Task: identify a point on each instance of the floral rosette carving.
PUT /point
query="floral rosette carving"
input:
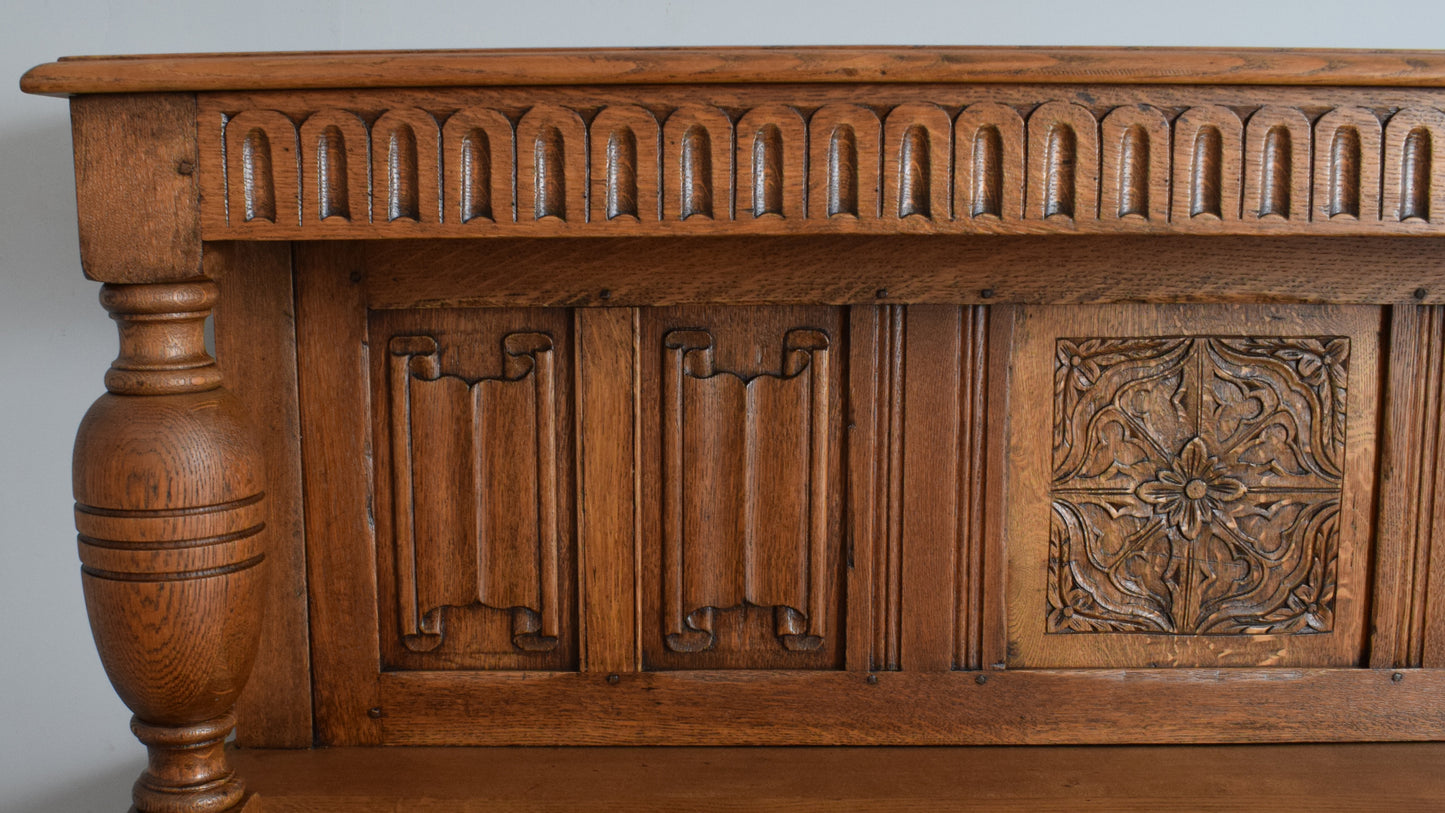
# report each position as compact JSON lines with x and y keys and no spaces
{"x":1196,"y":484}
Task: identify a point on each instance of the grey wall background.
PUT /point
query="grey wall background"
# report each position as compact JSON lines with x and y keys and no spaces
{"x":65,"y":745}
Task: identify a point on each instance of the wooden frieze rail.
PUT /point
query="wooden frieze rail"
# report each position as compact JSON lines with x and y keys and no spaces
{"x":829,"y":396}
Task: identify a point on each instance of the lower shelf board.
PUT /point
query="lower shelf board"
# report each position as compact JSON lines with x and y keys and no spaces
{"x":1383,"y":776}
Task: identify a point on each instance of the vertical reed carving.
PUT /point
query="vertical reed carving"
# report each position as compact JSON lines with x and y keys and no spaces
{"x":760,"y":542}
{"x":261,"y":169}
{"x":1276,"y":164}
{"x":843,"y":172}
{"x":406,"y":167}
{"x":1207,"y":173}
{"x":1412,"y":500}
{"x":475,"y":493}
{"x":1063,"y":162}
{"x":1414,"y":180}
{"x":918,"y":169}
{"x":477,"y":167}
{"x":624,"y":183}
{"x":843,"y":165}
{"x":772,"y":143}
{"x":988,"y":162}
{"x":1344,"y":192}
{"x":1135,"y":184}
{"x":915,"y":167}
{"x":170,"y":511}
{"x":551,"y":147}
{"x":699,"y":163}
{"x":1208,"y":166}
{"x":549,"y":178}
{"x":1347,"y":165}
{"x":334,"y":159}
{"x":259,"y":184}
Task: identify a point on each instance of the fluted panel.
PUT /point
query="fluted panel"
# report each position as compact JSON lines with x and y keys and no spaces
{"x":1135,"y":182}
{"x":698,"y":164}
{"x":1063,"y":162}
{"x":1276,"y":165}
{"x":988,"y":162}
{"x":405,"y":167}
{"x":1208,"y":170}
{"x":262,"y":173}
{"x":335,"y":184}
{"x":1414,"y":180}
{"x":551,"y":149}
{"x":1018,"y":166}
{"x":843,"y":162}
{"x":772,"y":144}
{"x":478,"y":167}
{"x":916,"y":170}
{"x":1347,"y":165}
{"x":624,"y":165}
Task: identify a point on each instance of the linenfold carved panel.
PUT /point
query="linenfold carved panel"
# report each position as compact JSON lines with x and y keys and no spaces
{"x":479,"y":520}
{"x":1196,"y":484}
{"x":761,"y":541}
{"x":962,"y":160}
{"x":745,"y":512}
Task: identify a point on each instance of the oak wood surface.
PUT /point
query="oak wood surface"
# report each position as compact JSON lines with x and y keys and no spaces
{"x":801,"y":707}
{"x":256,"y":351}
{"x":137,"y":180}
{"x":1248,"y":66}
{"x":1397,"y":776}
{"x":340,"y":558}
{"x":897,"y":270}
{"x":862,"y":159}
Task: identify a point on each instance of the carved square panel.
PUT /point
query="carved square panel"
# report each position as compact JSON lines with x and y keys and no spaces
{"x":1192,"y":486}
{"x":742,"y":484}
{"x":474,"y":488}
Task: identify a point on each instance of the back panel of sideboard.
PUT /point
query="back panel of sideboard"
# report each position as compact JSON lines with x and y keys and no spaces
{"x":553,"y":502}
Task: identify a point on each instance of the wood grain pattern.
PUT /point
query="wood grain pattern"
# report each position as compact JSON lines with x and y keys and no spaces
{"x":136,"y":175}
{"x":952,"y":162}
{"x":608,"y":540}
{"x":474,"y":466}
{"x":256,"y":350}
{"x":702,"y":66}
{"x":802,"y":707}
{"x":1201,"y":509}
{"x":899,"y":269}
{"x":340,"y":541}
{"x":1058,"y":779}
{"x":170,"y":507}
{"x":742,"y":451}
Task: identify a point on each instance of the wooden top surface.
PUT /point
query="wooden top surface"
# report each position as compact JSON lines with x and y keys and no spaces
{"x":627,"y":66}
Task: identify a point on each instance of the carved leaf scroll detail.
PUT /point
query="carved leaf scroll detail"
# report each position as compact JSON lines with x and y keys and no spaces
{"x":474,"y":470}
{"x":1196,"y":484}
{"x":745,"y":500}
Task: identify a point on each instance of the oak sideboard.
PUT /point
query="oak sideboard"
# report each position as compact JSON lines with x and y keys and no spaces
{"x":761,"y":397}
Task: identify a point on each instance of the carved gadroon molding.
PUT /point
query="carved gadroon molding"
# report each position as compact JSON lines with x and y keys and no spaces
{"x":1196,"y":484}
{"x":745,"y":490}
{"x":475,"y":494}
{"x":876,"y":167}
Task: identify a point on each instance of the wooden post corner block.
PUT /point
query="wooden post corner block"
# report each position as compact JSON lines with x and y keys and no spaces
{"x":169,"y":498}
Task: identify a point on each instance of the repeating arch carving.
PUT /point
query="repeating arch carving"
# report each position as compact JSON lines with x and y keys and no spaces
{"x":1136,"y":165}
{"x":982,"y":167}
{"x":1208,"y":145}
{"x":624,"y":157}
{"x":478,"y":167}
{"x":1414,"y":182}
{"x":988,"y":162}
{"x":1063,"y":162}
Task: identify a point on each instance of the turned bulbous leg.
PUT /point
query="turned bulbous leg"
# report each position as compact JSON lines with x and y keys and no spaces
{"x":169,"y":508}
